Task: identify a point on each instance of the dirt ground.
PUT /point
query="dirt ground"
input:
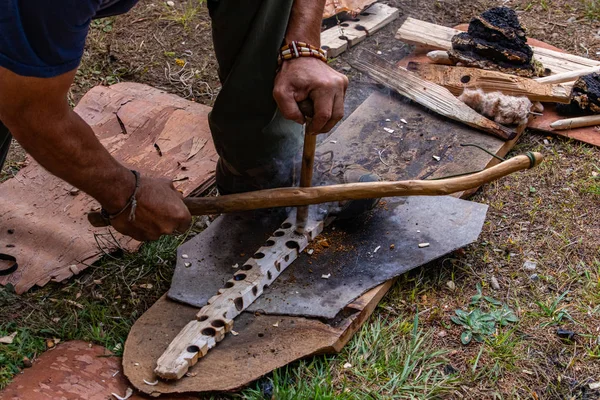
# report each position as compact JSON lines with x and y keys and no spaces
{"x":548,"y":217}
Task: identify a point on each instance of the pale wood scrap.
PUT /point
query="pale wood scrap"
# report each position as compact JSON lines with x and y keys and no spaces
{"x":457,"y":79}
{"x":44,"y":218}
{"x":428,"y":94}
{"x":349,"y":33}
{"x":216,"y":318}
{"x":570,"y":76}
{"x":577,"y":122}
{"x":353,"y":7}
{"x":436,"y":37}
{"x":440,"y":57}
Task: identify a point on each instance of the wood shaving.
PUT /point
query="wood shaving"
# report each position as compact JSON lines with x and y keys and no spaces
{"x":422,"y":245}
{"x":151,"y":383}
{"x":128,"y":394}
{"x":234,"y":333}
{"x":326,"y":276}
{"x":8,"y":339}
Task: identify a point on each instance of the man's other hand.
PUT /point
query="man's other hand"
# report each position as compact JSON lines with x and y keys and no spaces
{"x":160,"y":211}
{"x":310,"y":78}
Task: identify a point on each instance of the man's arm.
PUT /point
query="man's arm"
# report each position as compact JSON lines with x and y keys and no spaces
{"x":308,"y":77}
{"x":37,"y":113}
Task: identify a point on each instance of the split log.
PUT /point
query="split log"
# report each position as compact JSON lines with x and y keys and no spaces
{"x":428,"y":94}
{"x":436,"y":37}
{"x":578,"y":122}
{"x":456,"y":79}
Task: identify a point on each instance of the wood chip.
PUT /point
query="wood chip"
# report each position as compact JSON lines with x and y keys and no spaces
{"x":146,"y":286}
{"x":8,"y":339}
{"x":234,"y":333}
{"x":326,"y":276}
{"x":376,"y":249}
{"x":276,"y":324}
{"x":389,"y":130}
{"x":151,"y":383}
{"x":128,"y":394}
{"x":437,"y":158}
{"x":422,"y":245}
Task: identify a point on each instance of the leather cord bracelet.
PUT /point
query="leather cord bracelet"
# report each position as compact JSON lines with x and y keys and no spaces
{"x":300,"y":49}
{"x":132,"y":202}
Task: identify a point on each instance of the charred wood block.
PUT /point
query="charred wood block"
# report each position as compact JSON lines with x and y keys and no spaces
{"x":585,"y":97}
{"x":495,"y":40}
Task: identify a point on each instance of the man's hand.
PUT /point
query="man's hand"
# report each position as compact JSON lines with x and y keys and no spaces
{"x":310,"y":78}
{"x":160,"y":211}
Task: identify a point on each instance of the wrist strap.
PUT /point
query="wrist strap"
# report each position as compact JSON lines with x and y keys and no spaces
{"x":300,"y":49}
{"x":132,"y":202}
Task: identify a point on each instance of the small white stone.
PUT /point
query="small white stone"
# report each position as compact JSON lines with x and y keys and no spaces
{"x":234,"y":333}
{"x":379,"y":52}
{"x":418,"y":231}
{"x":235,"y":266}
{"x":388,"y":120}
{"x":326,"y":276}
{"x":451,"y":285}
{"x":529,"y":265}
{"x":348,"y":365}
{"x":437,"y":158}
{"x":276,"y":324}
{"x":333,"y":141}
{"x":388,"y":130}
{"x":494,"y":283}
{"x":184,"y":256}
{"x":187,"y":264}
{"x":171,"y":3}
{"x":422,"y":245}
{"x":310,"y":251}
{"x":442,"y":334}
{"x":404,"y":121}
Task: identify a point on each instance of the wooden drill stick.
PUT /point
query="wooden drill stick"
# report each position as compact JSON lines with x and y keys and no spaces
{"x":569,"y":76}
{"x":294,"y":197}
{"x":308,"y":161}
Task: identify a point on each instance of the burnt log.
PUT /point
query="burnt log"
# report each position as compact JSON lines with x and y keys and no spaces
{"x":585,"y":97}
{"x":496,"y":40}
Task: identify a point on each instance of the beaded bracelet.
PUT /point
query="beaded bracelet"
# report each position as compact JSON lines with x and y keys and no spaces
{"x":300,"y":49}
{"x":132,"y":202}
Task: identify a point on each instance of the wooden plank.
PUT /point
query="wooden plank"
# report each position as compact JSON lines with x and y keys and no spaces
{"x":457,"y":79}
{"x":43,"y":217}
{"x":428,"y":94}
{"x":437,"y":37}
{"x":349,"y":33}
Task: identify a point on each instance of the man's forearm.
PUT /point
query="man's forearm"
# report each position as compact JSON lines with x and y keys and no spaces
{"x":305,"y":22}
{"x":67,"y":147}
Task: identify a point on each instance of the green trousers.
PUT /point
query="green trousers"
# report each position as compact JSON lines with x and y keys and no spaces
{"x":257,"y":146}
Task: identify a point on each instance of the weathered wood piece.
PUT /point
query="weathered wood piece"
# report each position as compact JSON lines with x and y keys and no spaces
{"x":436,"y":37}
{"x":349,"y":33}
{"x":43,"y":218}
{"x":428,"y":94}
{"x":577,"y":122}
{"x":456,"y":79}
{"x":570,"y":76}
{"x":216,"y":318}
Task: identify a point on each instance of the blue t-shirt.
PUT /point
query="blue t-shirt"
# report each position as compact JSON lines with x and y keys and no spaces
{"x":46,"y":38}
